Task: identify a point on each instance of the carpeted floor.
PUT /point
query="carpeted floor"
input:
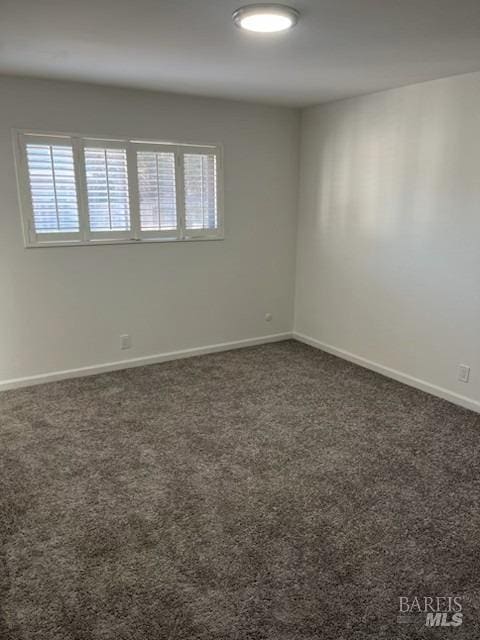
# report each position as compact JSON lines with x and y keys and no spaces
{"x":274,"y":492}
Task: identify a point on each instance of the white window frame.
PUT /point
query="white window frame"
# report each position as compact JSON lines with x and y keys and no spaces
{"x":86,"y":237}
{"x":169,"y":234}
{"x":101,"y":236}
{"x":25,"y":196}
{"x":197,"y":234}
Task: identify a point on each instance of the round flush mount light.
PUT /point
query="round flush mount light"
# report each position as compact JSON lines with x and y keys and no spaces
{"x":265,"y":18}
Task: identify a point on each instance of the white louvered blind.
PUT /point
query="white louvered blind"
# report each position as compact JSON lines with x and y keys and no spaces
{"x":200,"y":175}
{"x":84,"y":190}
{"x":53,"y":190}
{"x":107,"y":189}
{"x":157,"y":190}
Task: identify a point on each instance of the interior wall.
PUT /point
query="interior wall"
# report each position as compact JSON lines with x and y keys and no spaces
{"x":388,"y":257}
{"x":65,"y":307}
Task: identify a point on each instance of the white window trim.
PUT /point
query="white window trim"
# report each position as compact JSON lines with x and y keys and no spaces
{"x":85,"y":237}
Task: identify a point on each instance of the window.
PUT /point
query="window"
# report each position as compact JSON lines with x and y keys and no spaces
{"x":157,"y":191}
{"x":80,"y":190}
{"x":53,"y":189}
{"x":107,"y":189}
{"x":200,"y":199}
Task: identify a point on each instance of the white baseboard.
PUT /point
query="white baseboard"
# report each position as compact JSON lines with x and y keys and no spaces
{"x":423,"y":385}
{"x":42,"y":378}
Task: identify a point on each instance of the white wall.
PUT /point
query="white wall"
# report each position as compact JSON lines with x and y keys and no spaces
{"x":64,"y":308}
{"x":388,"y":256}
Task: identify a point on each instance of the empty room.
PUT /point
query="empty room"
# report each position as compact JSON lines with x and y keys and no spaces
{"x":239,"y":320}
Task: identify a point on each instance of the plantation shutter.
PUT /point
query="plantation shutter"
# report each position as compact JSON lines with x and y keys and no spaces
{"x":157,"y":191}
{"x":82,"y":190}
{"x":108,"y":197}
{"x":53,"y":191}
{"x":200,"y":191}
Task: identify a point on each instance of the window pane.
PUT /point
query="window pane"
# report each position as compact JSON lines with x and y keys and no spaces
{"x":200,"y":191}
{"x":156,"y":183}
{"x":107,"y":187}
{"x":52,"y":186}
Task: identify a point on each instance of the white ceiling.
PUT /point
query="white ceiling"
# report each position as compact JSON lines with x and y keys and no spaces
{"x":339,"y":48}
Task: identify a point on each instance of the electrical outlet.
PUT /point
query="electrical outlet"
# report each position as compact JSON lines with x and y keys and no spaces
{"x":268,"y":317}
{"x":125,"y":341}
{"x":463,"y":373}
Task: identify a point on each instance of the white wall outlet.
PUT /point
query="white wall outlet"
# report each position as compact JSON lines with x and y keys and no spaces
{"x":463,"y":373}
{"x":125,"y":341}
{"x":268,"y":317}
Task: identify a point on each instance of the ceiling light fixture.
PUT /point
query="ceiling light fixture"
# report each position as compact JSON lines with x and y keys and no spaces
{"x":265,"y":18}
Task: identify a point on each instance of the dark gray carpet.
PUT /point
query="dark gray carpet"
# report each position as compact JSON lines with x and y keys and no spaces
{"x":269,"y":493}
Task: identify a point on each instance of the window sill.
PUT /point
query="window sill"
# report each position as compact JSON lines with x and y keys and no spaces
{"x":110,"y":241}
